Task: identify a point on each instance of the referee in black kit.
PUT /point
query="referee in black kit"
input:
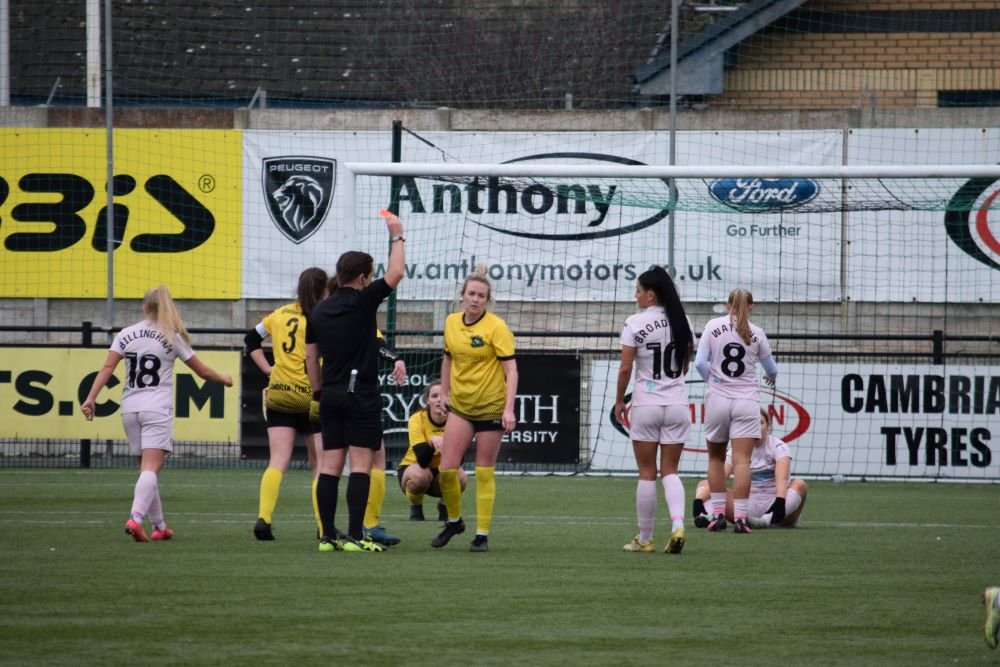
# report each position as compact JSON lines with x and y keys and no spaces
{"x":342,"y":331}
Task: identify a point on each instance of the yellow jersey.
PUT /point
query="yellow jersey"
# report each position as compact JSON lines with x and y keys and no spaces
{"x":288,"y":388}
{"x":478,"y":388}
{"x":422,"y":428}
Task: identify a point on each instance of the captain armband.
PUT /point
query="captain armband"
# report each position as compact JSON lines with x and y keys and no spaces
{"x":252,"y":341}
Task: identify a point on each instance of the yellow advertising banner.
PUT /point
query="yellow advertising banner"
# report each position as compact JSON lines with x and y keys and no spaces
{"x":41,"y":390}
{"x":177,"y":210}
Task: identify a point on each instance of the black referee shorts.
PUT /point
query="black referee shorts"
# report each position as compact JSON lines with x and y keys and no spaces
{"x":353,"y":419}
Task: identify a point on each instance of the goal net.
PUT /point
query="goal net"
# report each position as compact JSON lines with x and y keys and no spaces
{"x":220,"y":172}
{"x":859,"y":273}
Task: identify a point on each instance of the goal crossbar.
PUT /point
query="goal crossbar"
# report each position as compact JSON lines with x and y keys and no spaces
{"x":536,"y":170}
{"x":677,"y":172}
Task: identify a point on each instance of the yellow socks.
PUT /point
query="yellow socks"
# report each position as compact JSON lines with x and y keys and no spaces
{"x":486,"y":493}
{"x":451,"y":492}
{"x":270,"y":486}
{"x":319,"y":521}
{"x":376,"y":496}
{"x":415,"y":498}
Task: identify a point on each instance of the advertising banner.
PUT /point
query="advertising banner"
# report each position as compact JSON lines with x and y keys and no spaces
{"x":543,"y":243}
{"x":930,"y":256}
{"x":293,"y":207}
{"x":547,"y":409}
{"x":874,"y":420}
{"x":41,"y":390}
{"x":177,"y":213}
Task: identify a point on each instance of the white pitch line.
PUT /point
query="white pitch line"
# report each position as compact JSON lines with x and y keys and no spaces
{"x":26,"y":518}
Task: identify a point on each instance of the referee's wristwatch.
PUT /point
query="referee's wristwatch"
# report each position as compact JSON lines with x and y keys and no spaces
{"x":393,"y":239}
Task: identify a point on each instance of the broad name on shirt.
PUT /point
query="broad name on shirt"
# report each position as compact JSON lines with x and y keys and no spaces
{"x":655,"y":325}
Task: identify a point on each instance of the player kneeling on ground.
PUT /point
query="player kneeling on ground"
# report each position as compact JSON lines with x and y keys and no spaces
{"x":418,"y":470}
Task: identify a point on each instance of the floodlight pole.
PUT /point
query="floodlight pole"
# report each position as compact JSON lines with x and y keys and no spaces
{"x":673,"y":132}
{"x":4,"y":53}
{"x":93,"y":29}
{"x":396,"y":182}
{"x":109,"y":239}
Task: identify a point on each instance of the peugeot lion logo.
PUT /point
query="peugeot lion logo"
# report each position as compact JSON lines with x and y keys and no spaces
{"x":298,"y":191}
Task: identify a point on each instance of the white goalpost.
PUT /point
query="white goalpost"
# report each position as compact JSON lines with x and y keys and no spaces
{"x":915,"y":194}
{"x":853,"y":269}
{"x":526,"y":169}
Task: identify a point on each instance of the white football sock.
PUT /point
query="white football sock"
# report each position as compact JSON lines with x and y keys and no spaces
{"x":645,"y":507}
{"x":145,"y":491}
{"x":718,"y":503}
{"x":156,"y":511}
{"x":673,"y":491}
{"x":740,"y":508}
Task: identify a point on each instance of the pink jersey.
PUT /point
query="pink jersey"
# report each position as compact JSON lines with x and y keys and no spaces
{"x":762,"y":462}
{"x":657,"y":382}
{"x":732,"y":363}
{"x":149,"y":367}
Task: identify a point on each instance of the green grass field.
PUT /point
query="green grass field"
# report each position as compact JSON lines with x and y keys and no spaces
{"x":878,"y":573}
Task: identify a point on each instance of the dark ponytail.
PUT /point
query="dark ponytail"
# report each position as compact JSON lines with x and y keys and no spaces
{"x":659,"y":282}
{"x":312,"y":284}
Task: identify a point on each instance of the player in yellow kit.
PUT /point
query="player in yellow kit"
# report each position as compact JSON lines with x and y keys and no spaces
{"x":374,"y":530}
{"x":288,"y":390}
{"x":420,"y":466}
{"x":479,"y":383}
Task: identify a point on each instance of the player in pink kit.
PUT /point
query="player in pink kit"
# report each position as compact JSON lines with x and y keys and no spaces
{"x":150,"y":349}
{"x":776,"y":499}
{"x":657,"y":342}
{"x":730,"y":349}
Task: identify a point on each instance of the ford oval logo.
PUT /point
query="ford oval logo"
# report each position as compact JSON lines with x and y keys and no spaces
{"x":573,"y":211}
{"x":760,"y":195}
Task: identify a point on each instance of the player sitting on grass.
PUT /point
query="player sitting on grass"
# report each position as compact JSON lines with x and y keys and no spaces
{"x":775,"y":499}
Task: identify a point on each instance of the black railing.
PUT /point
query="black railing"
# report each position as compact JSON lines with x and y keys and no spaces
{"x":937,"y":340}
{"x":932,"y":347}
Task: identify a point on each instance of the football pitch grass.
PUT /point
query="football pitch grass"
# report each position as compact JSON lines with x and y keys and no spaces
{"x":878,"y":573}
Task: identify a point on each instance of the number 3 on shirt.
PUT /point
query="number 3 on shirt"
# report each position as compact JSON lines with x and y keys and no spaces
{"x":293,"y":328}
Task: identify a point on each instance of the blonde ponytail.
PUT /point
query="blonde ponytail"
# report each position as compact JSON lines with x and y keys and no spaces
{"x":160,"y":306}
{"x":739,"y":303}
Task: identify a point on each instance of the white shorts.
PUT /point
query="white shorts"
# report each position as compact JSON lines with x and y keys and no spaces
{"x":728,"y":418}
{"x":148,"y":430}
{"x":664,"y":424}
{"x":758,"y":504}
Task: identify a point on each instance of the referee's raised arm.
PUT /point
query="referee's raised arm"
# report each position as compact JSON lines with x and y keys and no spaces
{"x":395,"y":269}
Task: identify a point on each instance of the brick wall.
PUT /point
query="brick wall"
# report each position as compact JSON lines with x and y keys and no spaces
{"x":815,"y":70}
